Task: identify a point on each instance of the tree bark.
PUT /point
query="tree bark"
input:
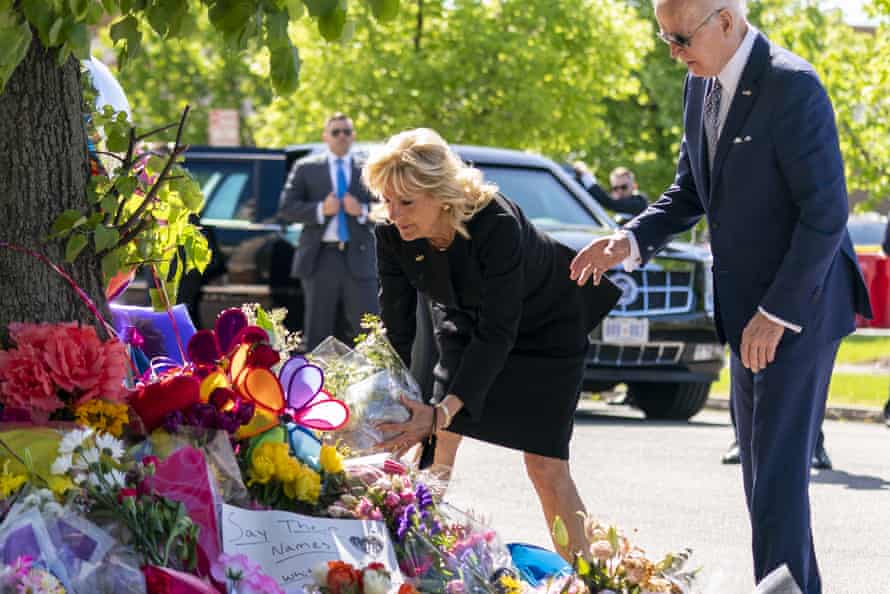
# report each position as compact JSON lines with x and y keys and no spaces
{"x":43,"y":171}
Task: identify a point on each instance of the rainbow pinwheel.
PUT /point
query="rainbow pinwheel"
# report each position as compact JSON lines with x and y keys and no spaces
{"x":236,"y":356}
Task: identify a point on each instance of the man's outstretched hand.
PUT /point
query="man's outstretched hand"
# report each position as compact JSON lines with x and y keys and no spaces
{"x":599,"y":256}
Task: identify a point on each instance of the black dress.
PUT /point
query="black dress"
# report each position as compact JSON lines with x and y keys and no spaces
{"x":510,"y":324}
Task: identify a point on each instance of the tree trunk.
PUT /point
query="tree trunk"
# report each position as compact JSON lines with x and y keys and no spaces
{"x":43,"y":171}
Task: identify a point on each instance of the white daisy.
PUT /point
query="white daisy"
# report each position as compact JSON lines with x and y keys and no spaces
{"x":73,"y":440}
{"x":110,"y":446}
{"x":88,"y":457}
{"x":62,"y":465}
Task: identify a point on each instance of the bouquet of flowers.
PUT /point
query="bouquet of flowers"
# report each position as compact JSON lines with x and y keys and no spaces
{"x":338,"y":577}
{"x":369,"y":380}
{"x":611,"y":564}
{"x":63,"y":372}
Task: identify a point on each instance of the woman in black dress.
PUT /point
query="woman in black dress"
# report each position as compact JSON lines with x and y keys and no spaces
{"x":510,"y":324}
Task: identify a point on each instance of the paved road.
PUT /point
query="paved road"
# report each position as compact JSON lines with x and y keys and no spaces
{"x":665,"y":481}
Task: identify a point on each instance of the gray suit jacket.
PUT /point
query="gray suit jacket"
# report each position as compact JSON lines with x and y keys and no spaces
{"x":307,"y":184}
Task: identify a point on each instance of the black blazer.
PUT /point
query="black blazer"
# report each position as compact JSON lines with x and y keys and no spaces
{"x":308,"y":183}
{"x":504,"y":291}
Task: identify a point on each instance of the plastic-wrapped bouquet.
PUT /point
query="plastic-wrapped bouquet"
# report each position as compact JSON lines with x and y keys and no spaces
{"x":612,"y":564}
{"x":369,"y":380}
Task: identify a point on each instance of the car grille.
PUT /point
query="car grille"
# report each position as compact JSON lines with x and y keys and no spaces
{"x":659,"y":292}
{"x":652,"y":353}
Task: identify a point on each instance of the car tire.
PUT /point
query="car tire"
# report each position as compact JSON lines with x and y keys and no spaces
{"x":670,"y":401}
{"x":424,"y":352}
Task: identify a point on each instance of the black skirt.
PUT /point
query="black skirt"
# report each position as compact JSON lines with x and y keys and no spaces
{"x":530,"y":407}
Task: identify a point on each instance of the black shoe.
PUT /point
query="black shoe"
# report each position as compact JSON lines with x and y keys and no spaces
{"x":887,"y":413}
{"x":732,"y":454}
{"x":821,"y":460}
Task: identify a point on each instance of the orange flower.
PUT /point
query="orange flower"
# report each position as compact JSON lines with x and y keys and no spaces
{"x":408,"y":589}
{"x":343,"y":578}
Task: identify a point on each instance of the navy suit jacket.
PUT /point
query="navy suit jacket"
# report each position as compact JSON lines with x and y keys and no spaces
{"x":776,"y":202}
{"x":308,"y":183}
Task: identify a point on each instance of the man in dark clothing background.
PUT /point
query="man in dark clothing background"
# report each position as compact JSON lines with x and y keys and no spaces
{"x":624,"y":198}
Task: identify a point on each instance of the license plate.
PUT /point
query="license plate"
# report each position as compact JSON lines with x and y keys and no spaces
{"x":625,"y":331}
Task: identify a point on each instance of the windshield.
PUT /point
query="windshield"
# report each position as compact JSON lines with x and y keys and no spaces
{"x":866,"y":232}
{"x":543,"y":199}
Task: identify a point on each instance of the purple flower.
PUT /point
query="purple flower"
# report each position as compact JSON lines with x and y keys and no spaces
{"x":173,"y":420}
{"x":405,"y":522}
{"x":423,"y":495}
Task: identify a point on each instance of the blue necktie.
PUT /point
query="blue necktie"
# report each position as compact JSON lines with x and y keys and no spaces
{"x":342,"y":224}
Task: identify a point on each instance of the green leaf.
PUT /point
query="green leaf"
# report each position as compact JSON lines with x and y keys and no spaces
{"x":126,"y":186}
{"x":75,"y":245}
{"x":385,"y":10}
{"x":14,"y":44}
{"x":79,"y":8}
{"x":295,"y":9}
{"x":109,"y":203}
{"x":230,"y":16}
{"x":105,"y":237}
{"x":330,"y":25}
{"x":560,"y":532}
{"x":318,"y":8}
{"x":125,"y":29}
{"x":276,"y":30}
{"x":54,"y":31}
{"x":284,"y":66}
{"x":111,"y":264}
{"x":77,"y":38}
{"x":68,"y":220}
{"x":116,"y":140}
{"x":40,"y":14}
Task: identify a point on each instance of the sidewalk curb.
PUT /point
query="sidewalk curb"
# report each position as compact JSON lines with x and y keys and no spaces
{"x":865,"y":414}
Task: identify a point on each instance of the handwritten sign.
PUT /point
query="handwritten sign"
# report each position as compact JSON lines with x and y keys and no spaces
{"x":288,"y":546}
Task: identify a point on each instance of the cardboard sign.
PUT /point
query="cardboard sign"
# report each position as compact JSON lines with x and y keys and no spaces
{"x":288,"y":546}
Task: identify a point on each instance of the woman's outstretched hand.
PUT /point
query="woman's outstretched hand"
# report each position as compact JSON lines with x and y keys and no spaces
{"x":411,"y":432}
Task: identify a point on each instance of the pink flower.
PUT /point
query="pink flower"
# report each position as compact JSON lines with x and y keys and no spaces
{"x":392,"y":500}
{"x":455,"y":587}
{"x":407,"y":497}
{"x":25,"y":382}
{"x":81,"y":364}
{"x":34,"y":335}
{"x":258,"y":583}
{"x":233,"y":567}
{"x":376,"y":514}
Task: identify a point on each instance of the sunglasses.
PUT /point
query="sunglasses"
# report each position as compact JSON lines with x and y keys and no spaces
{"x":344,"y":131}
{"x":622,"y":187}
{"x":685,"y":41}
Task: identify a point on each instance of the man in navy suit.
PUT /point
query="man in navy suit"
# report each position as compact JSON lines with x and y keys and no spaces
{"x":760,"y":158}
{"x":336,"y":258}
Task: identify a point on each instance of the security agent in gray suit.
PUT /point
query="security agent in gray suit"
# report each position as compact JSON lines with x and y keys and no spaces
{"x":336,"y":255}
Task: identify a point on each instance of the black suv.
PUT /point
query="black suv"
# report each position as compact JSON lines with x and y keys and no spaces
{"x":659,"y":340}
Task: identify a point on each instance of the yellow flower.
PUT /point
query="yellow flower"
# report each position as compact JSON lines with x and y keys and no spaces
{"x":107,"y":417}
{"x":262,"y":465}
{"x":331,"y":460}
{"x":10,"y":483}
{"x":307,"y":487}
{"x":59,"y":485}
{"x":288,"y":472}
{"x":509,"y":585}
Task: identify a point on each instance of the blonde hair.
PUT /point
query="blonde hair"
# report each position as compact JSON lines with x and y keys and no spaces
{"x":419,"y":161}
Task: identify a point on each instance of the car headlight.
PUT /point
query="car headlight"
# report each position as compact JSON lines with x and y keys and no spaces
{"x":707,"y":352}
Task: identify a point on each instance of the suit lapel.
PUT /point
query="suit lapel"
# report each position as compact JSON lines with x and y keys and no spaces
{"x":746,"y":94}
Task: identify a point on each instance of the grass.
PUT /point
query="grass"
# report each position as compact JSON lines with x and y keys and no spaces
{"x":864,"y":349}
{"x":846,"y":389}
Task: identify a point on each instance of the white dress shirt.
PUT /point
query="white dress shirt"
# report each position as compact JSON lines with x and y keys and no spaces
{"x":331,"y":232}
{"x":729,"y":79}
